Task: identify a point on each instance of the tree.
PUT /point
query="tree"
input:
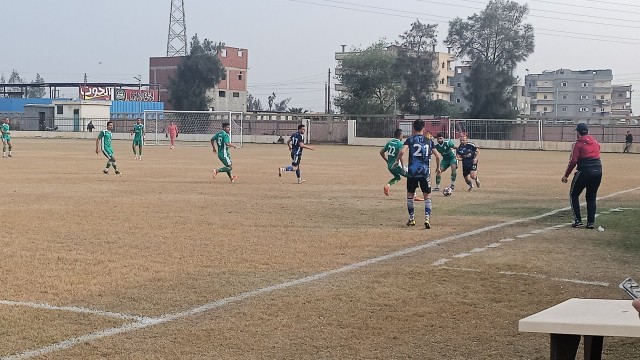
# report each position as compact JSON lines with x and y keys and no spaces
{"x":36,"y":92}
{"x":494,"y":41}
{"x":282,"y":105}
{"x":271,"y":98}
{"x":200,"y":71}
{"x":441,"y":107}
{"x":415,"y":68}
{"x":298,"y":110}
{"x":15,"y":78}
{"x":3,"y":80}
{"x":253,"y":104}
{"x":369,"y":81}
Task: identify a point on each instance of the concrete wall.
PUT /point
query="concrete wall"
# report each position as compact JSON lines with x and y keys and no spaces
{"x":495,"y":144}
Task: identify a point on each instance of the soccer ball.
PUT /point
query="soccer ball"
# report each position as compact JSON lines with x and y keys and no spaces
{"x":447,"y":191}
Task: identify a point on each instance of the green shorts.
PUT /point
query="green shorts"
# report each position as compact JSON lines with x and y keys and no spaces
{"x":398,"y":171}
{"x":6,"y":138}
{"x":226,"y":160}
{"x":137,"y":142}
{"x":446,"y":163}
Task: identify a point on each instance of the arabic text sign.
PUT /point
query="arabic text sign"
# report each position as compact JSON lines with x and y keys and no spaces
{"x":95,"y":93}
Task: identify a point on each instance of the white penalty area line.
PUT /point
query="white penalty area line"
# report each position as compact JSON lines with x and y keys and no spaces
{"x":147,"y":322}
{"x":76,"y":309}
{"x":538,"y":276}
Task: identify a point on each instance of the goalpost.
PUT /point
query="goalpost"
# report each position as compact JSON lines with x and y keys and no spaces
{"x":192,"y":125}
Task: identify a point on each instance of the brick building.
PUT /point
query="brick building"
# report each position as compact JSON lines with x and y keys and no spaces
{"x":229,"y":95}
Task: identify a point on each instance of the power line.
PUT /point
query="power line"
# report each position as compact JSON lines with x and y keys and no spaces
{"x":361,"y":10}
{"x":538,"y":16}
{"x":557,"y":12}
{"x":449,"y":17}
{"x":586,"y":7}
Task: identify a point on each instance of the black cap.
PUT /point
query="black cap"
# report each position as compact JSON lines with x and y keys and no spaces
{"x":582,"y":128}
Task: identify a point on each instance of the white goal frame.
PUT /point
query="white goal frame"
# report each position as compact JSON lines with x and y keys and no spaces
{"x":192,"y":125}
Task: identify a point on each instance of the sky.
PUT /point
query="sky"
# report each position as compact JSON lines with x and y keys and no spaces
{"x":291,"y":43}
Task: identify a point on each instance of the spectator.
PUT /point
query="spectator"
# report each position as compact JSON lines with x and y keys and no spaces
{"x":90,"y":126}
{"x":627,"y":142}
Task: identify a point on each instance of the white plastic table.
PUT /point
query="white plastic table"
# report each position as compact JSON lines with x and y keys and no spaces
{"x":591,"y":318}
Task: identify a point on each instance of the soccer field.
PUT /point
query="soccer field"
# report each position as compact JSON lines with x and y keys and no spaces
{"x":166,"y":262}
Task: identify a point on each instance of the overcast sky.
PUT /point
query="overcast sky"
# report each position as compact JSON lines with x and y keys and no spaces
{"x":291,"y":43}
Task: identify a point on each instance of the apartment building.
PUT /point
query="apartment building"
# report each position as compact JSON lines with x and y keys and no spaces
{"x":572,"y":95}
{"x":621,"y":101}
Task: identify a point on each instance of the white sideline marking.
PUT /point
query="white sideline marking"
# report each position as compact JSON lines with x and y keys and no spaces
{"x":440,"y":262}
{"x":460,"y":256}
{"x":147,"y":322}
{"x":522,"y":236}
{"x":507,"y":240}
{"x":76,"y":309}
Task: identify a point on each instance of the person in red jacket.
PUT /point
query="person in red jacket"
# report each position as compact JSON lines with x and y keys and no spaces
{"x":586,"y":156}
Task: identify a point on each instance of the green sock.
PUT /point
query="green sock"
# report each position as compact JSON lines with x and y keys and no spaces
{"x":438,"y":178}
{"x":140,"y":150}
{"x":229,"y":174}
{"x":454,"y":175}
{"x":108,"y":164}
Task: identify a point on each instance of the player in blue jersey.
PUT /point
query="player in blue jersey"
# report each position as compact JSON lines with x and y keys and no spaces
{"x":468,"y":153}
{"x":420,"y":149}
{"x":296,"y":145}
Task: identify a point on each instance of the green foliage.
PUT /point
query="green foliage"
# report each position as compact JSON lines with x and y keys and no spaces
{"x":298,"y":110}
{"x":369,"y":80}
{"x":494,"y":41}
{"x":441,"y":107}
{"x":3,"y":80}
{"x":415,"y":68}
{"x":200,"y":71}
{"x":15,"y":78}
{"x":36,"y":92}
{"x":489,"y":91}
{"x":253,"y":104}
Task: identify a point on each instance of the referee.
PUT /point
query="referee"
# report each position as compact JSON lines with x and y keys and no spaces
{"x":586,"y":155}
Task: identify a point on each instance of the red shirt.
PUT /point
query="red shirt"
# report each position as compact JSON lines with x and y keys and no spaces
{"x":172,"y":130}
{"x":585,"y":148}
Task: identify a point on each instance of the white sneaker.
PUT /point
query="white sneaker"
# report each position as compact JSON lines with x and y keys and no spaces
{"x":135,"y":157}
{"x":300,"y":181}
{"x":140,"y":157}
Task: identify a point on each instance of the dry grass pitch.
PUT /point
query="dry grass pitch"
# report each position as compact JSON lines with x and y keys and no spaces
{"x":138,"y":254}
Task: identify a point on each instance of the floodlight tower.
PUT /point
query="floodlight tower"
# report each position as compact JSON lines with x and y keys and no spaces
{"x":177,"y":41}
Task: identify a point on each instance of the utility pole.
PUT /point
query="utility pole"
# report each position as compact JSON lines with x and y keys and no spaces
{"x":329,"y":92}
{"x":326,"y":108}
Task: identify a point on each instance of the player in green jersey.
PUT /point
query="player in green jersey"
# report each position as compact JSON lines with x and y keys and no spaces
{"x":6,"y":138}
{"x":395,"y":166}
{"x":103,"y":143}
{"x":446,"y":148}
{"x":390,"y":154}
{"x":223,"y":141}
{"x":138,"y":138}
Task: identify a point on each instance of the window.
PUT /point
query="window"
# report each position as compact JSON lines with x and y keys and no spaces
{"x":224,"y":75}
{"x":442,"y":64}
{"x":458,"y":101}
{"x":594,"y":109}
{"x":442,"y":81}
{"x":240,"y":76}
{"x":459,"y":70}
{"x":565,"y":96}
{"x":222,"y":93}
{"x":545,"y":109}
{"x":236,"y":94}
{"x":545,"y":96}
{"x":563,"y":84}
{"x":223,"y":53}
{"x":585,"y":84}
{"x":601,"y":97}
{"x":438,"y":96}
{"x":458,"y":84}
{"x":601,"y":109}
{"x":59,"y":109}
{"x":584,"y":97}
{"x":240,"y":53}
{"x":584,"y":109}
{"x":564,"y":108}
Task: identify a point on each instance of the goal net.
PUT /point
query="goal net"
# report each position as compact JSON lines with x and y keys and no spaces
{"x":192,"y":125}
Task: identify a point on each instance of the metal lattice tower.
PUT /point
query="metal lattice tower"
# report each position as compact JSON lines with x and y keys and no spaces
{"x":177,"y":41}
